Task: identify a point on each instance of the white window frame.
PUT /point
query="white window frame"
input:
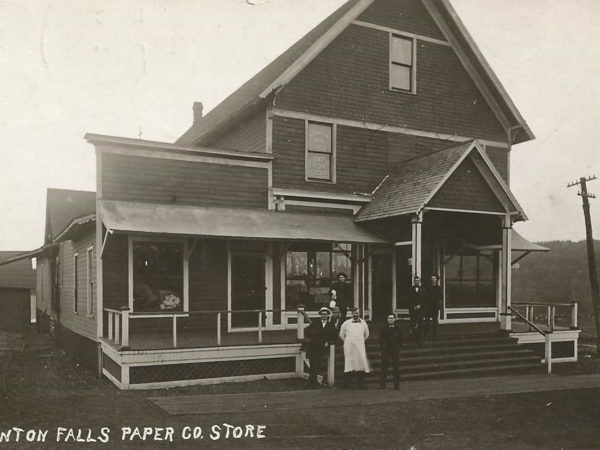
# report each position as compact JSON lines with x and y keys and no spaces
{"x":413,"y":67}
{"x":75,"y":282}
{"x":332,"y":165}
{"x":89,"y":282}
{"x":166,"y":240}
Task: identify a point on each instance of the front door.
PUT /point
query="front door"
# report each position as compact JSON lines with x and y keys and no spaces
{"x":247,"y":288}
{"x":382,"y":286}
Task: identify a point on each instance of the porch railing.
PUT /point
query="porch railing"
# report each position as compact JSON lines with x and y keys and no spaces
{"x":199,"y":328}
{"x":549,"y":316}
{"x":546,"y":317}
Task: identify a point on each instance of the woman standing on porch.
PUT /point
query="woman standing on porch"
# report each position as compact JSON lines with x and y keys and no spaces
{"x":354,"y":333}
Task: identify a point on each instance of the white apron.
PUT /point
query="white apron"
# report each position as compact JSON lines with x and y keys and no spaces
{"x":354,"y":336}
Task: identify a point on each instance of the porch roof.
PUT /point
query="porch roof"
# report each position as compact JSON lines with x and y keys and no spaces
{"x":131,"y":217}
{"x":519,"y":244}
{"x":410,"y":188}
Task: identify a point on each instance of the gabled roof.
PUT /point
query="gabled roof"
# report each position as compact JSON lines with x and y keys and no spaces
{"x":64,"y":205}
{"x":18,"y":274}
{"x":413,"y":185}
{"x":251,"y":94}
{"x":283,"y":69}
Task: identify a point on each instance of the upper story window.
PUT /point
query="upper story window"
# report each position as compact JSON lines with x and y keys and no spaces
{"x":320,"y":152}
{"x":402,"y":63}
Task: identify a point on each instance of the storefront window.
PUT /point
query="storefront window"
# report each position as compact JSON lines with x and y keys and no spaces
{"x":469,"y":281}
{"x":157,"y":276}
{"x":310,"y":270}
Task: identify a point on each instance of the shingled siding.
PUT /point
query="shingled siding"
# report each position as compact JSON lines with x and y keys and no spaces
{"x":406,"y":15}
{"x":349,"y":80}
{"x":499,"y":156}
{"x":249,"y":136}
{"x":142,"y":179}
{"x":363,"y":157}
{"x":466,"y":189}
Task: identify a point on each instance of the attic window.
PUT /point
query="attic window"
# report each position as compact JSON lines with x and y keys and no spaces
{"x":402,"y":63}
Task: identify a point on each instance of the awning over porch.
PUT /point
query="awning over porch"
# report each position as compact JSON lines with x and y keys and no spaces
{"x":519,"y":244}
{"x":131,"y":217}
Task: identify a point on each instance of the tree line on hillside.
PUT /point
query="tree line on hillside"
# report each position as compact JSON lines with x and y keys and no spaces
{"x":557,"y":276}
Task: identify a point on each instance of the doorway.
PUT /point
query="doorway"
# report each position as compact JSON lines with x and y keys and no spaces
{"x":382,"y":286}
{"x":247,"y":288}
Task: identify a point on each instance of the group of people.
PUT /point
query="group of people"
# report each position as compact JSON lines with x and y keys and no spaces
{"x":424,"y":307}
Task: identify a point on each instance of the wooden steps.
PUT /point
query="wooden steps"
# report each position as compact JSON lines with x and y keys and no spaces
{"x":455,"y":356}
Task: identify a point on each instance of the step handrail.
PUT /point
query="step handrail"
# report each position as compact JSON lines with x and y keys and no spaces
{"x":547,"y":338}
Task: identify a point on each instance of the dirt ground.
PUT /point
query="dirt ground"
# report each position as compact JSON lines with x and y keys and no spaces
{"x":44,"y":391}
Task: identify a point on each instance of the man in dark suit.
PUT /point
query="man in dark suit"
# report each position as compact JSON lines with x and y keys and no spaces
{"x":341,"y":293}
{"x":390,"y":341}
{"x":416,"y":310}
{"x":433,"y":305}
{"x":318,"y":335}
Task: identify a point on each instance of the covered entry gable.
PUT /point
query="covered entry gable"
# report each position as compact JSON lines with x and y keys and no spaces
{"x":461,"y":178}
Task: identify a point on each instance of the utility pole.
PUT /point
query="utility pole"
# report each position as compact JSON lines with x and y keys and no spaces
{"x":590,"y":251}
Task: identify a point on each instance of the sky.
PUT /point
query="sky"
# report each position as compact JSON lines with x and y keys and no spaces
{"x":133,"y":68}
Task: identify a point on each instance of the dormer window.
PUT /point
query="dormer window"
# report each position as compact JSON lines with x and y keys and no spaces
{"x":320,"y":151}
{"x":402,"y":64}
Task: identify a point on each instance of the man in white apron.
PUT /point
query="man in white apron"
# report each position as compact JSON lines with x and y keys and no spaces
{"x":354,"y":332}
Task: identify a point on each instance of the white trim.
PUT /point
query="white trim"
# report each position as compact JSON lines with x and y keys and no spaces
{"x":185,"y":261}
{"x":269,"y":129}
{"x":413,"y":66}
{"x":158,"y":154}
{"x":383,"y":127}
{"x":75,"y":282}
{"x":206,"y":381}
{"x":500,"y":181}
{"x":499,"y":213}
{"x":104,"y":142}
{"x":78,"y":221}
{"x":321,"y":195}
{"x":32,"y":306}
{"x":490,"y":73}
{"x":401,"y":243}
{"x":99,"y":245}
{"x":332,"y":154}
{"x":89,"y":282}
{"x":419,"y":37}
{"x":467,"y":64}
{"x":353,"y":208}
{"x":111,"y":378}
{"x":228,"y":249}
{"x":333,"y":32}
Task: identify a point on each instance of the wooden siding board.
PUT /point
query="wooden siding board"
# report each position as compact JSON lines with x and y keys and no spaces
{"x":349,"y":80}
{"x":406,"y":15}
{"x":154,"y":180}
{"x":466,"y":189}
{"x":249,"y":135}
{"x":78,"y":322}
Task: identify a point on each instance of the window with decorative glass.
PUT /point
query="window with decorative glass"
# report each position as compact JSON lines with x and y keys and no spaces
{"x":402,"y":63}
{"x":158,"y":283}
{"x":310,"y":270}
{"x":320,"y":151}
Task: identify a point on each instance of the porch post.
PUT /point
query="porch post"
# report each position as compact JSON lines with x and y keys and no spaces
{"x":506,"y":280}
{"x":416,"y":223}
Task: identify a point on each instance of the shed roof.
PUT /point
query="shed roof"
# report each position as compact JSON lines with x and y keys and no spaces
{"x":18,"y":274}
{"x":64,"y":205}
{"x":187,"y":220}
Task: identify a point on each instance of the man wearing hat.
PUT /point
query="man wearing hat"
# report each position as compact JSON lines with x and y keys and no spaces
{"x":318,"y":335}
